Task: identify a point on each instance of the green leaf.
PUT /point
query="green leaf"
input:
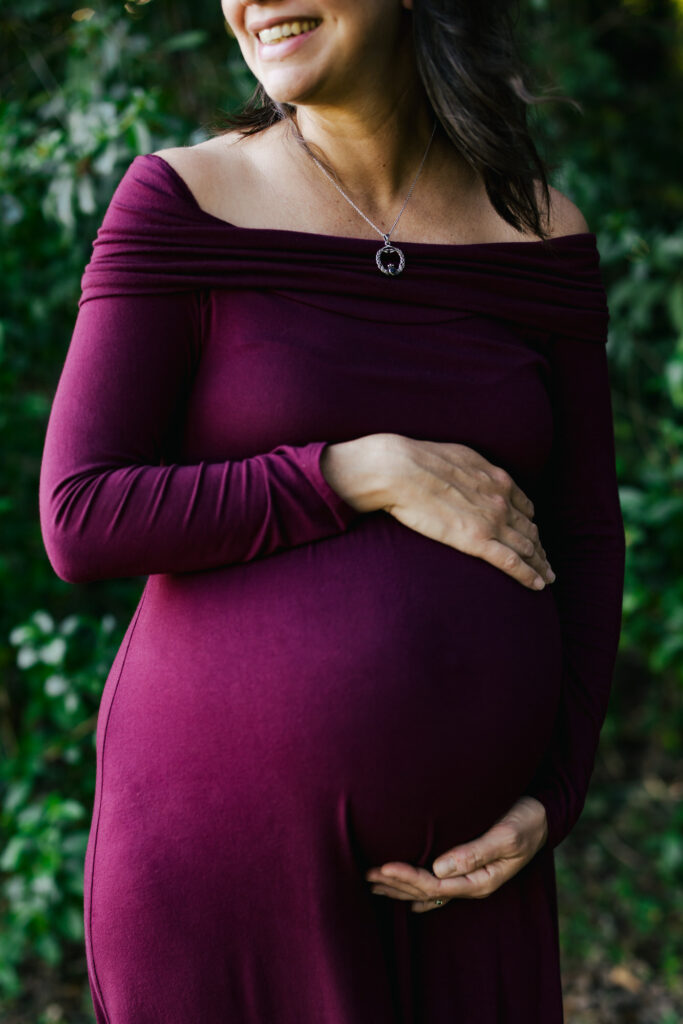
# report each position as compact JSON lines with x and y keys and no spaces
{"x":190,"y":40}
{"x":13,"y":852}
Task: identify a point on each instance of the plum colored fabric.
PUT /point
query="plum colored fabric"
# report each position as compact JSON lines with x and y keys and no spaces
{"x":305,"y":691}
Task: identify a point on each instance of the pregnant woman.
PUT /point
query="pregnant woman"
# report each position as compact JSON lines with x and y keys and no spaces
{"x":338,"y":386}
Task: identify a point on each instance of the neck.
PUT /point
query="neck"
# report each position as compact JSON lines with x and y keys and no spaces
{"x":375,"y":149}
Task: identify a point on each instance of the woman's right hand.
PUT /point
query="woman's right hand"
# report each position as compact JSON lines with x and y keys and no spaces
{"x":445,"y":491}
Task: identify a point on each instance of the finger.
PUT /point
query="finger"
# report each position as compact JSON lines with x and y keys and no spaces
{"x":529,"y":530}
{"x":519,"y":499}
{"x":480,"y":883}
{"x":396,"y":894}
{"x":403,"y":870}
{"x":495,"y":844}
{"x":422,"y":906}
{"x":515,"y":530}
{"x":521,"y":524}
{"x":408,"y":875}
{"x":528,"y":549}
{"x":411,"y":889}
{"x":508,"y":561}
{"x":416,"y":882}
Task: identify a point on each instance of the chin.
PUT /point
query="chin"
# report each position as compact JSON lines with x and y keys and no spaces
{"x":290,"y":92}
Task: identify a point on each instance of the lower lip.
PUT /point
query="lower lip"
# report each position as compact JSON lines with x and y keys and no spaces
{"x":277,"y":51}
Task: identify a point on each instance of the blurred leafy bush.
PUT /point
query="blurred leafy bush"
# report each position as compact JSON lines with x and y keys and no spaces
{"x":620,"y":871}
{"x":48,"y":786}
{"x":85,"y":91}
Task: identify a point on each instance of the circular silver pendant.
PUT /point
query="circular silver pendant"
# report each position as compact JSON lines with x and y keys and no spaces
{"x":390,"y":260}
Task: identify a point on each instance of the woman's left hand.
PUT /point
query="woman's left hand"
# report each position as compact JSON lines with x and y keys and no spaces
{"x":472,"y":870}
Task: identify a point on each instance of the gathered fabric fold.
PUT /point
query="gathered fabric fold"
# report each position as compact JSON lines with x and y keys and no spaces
{"x":156,"y":239}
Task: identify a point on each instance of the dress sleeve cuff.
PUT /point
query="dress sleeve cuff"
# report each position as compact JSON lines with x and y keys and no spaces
{"x":555,"y":835}
{"x":343,"y":512}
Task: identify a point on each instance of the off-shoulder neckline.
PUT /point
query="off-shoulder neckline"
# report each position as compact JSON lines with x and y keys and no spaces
{"x":352,"y":240}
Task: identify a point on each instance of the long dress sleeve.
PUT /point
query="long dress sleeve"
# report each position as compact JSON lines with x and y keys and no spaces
{"x":114,"y":501}
{"x":108,"y":505}
{"x":585,"y":543}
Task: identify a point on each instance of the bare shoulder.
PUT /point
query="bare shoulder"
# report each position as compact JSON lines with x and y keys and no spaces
{"x":211,"y":169}
{"x":565,"y":217}
{"x":203,"y":154}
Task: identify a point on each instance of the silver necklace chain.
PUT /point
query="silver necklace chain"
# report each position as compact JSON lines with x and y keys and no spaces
{"x":389,"y":259}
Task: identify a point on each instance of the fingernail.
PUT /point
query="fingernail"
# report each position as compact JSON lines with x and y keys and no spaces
{"x":550,"y":576}
{"x":539,"y":584}
{"x":442,"y":867}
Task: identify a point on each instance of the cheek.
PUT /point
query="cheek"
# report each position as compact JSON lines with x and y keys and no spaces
{"x":247,"y":47}
{"x":233,"y":12}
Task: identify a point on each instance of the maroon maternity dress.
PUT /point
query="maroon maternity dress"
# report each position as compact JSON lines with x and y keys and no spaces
{"x":306,"y":691}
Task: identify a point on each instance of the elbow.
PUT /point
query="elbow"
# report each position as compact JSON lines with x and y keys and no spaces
{"x":79,"y":540}
{"x":67,"y":556}
{"x":65,"y":541}
{"x":69,"y":572}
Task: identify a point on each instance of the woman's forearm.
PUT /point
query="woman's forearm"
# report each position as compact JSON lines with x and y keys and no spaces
{"x":363,"y":470}
{"x":110,"y":508}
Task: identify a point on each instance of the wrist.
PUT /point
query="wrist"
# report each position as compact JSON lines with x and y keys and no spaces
{"x":539,"y":807}
{"x":533,"y":814}
{"x":360,"y":471}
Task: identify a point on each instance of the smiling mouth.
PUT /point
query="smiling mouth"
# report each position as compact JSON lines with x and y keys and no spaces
{"x":287,"y":29}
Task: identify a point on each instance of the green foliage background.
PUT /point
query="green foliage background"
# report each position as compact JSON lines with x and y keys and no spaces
{"x":83,"y":91}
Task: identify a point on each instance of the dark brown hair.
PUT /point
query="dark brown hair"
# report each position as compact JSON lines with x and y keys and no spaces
{"x":469,"y":66}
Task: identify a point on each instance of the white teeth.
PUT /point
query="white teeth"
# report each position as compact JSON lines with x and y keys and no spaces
{"x":288,"y":28}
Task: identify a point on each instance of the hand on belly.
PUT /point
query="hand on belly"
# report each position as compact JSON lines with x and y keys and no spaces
{"x":472,"y":870}
{"x":445,"y":491}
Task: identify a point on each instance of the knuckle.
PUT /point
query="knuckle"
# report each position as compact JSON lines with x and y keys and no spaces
{"x":467,"y":862}
{"x":499,"y":501}
{"x":511,"y":561}
{"x":514,"y":840}
{"x":478,"y":479}
{"x":502,"y":477}
{"x":478,"y":534}
{"x":535,"y":535}
{"x":511,"y":838}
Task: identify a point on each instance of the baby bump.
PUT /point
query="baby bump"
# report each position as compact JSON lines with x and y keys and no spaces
{"x":418,"y":680}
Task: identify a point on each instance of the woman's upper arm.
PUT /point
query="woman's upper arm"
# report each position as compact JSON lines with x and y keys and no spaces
{"x":585,"y":540}
{"x":108,"y":505}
